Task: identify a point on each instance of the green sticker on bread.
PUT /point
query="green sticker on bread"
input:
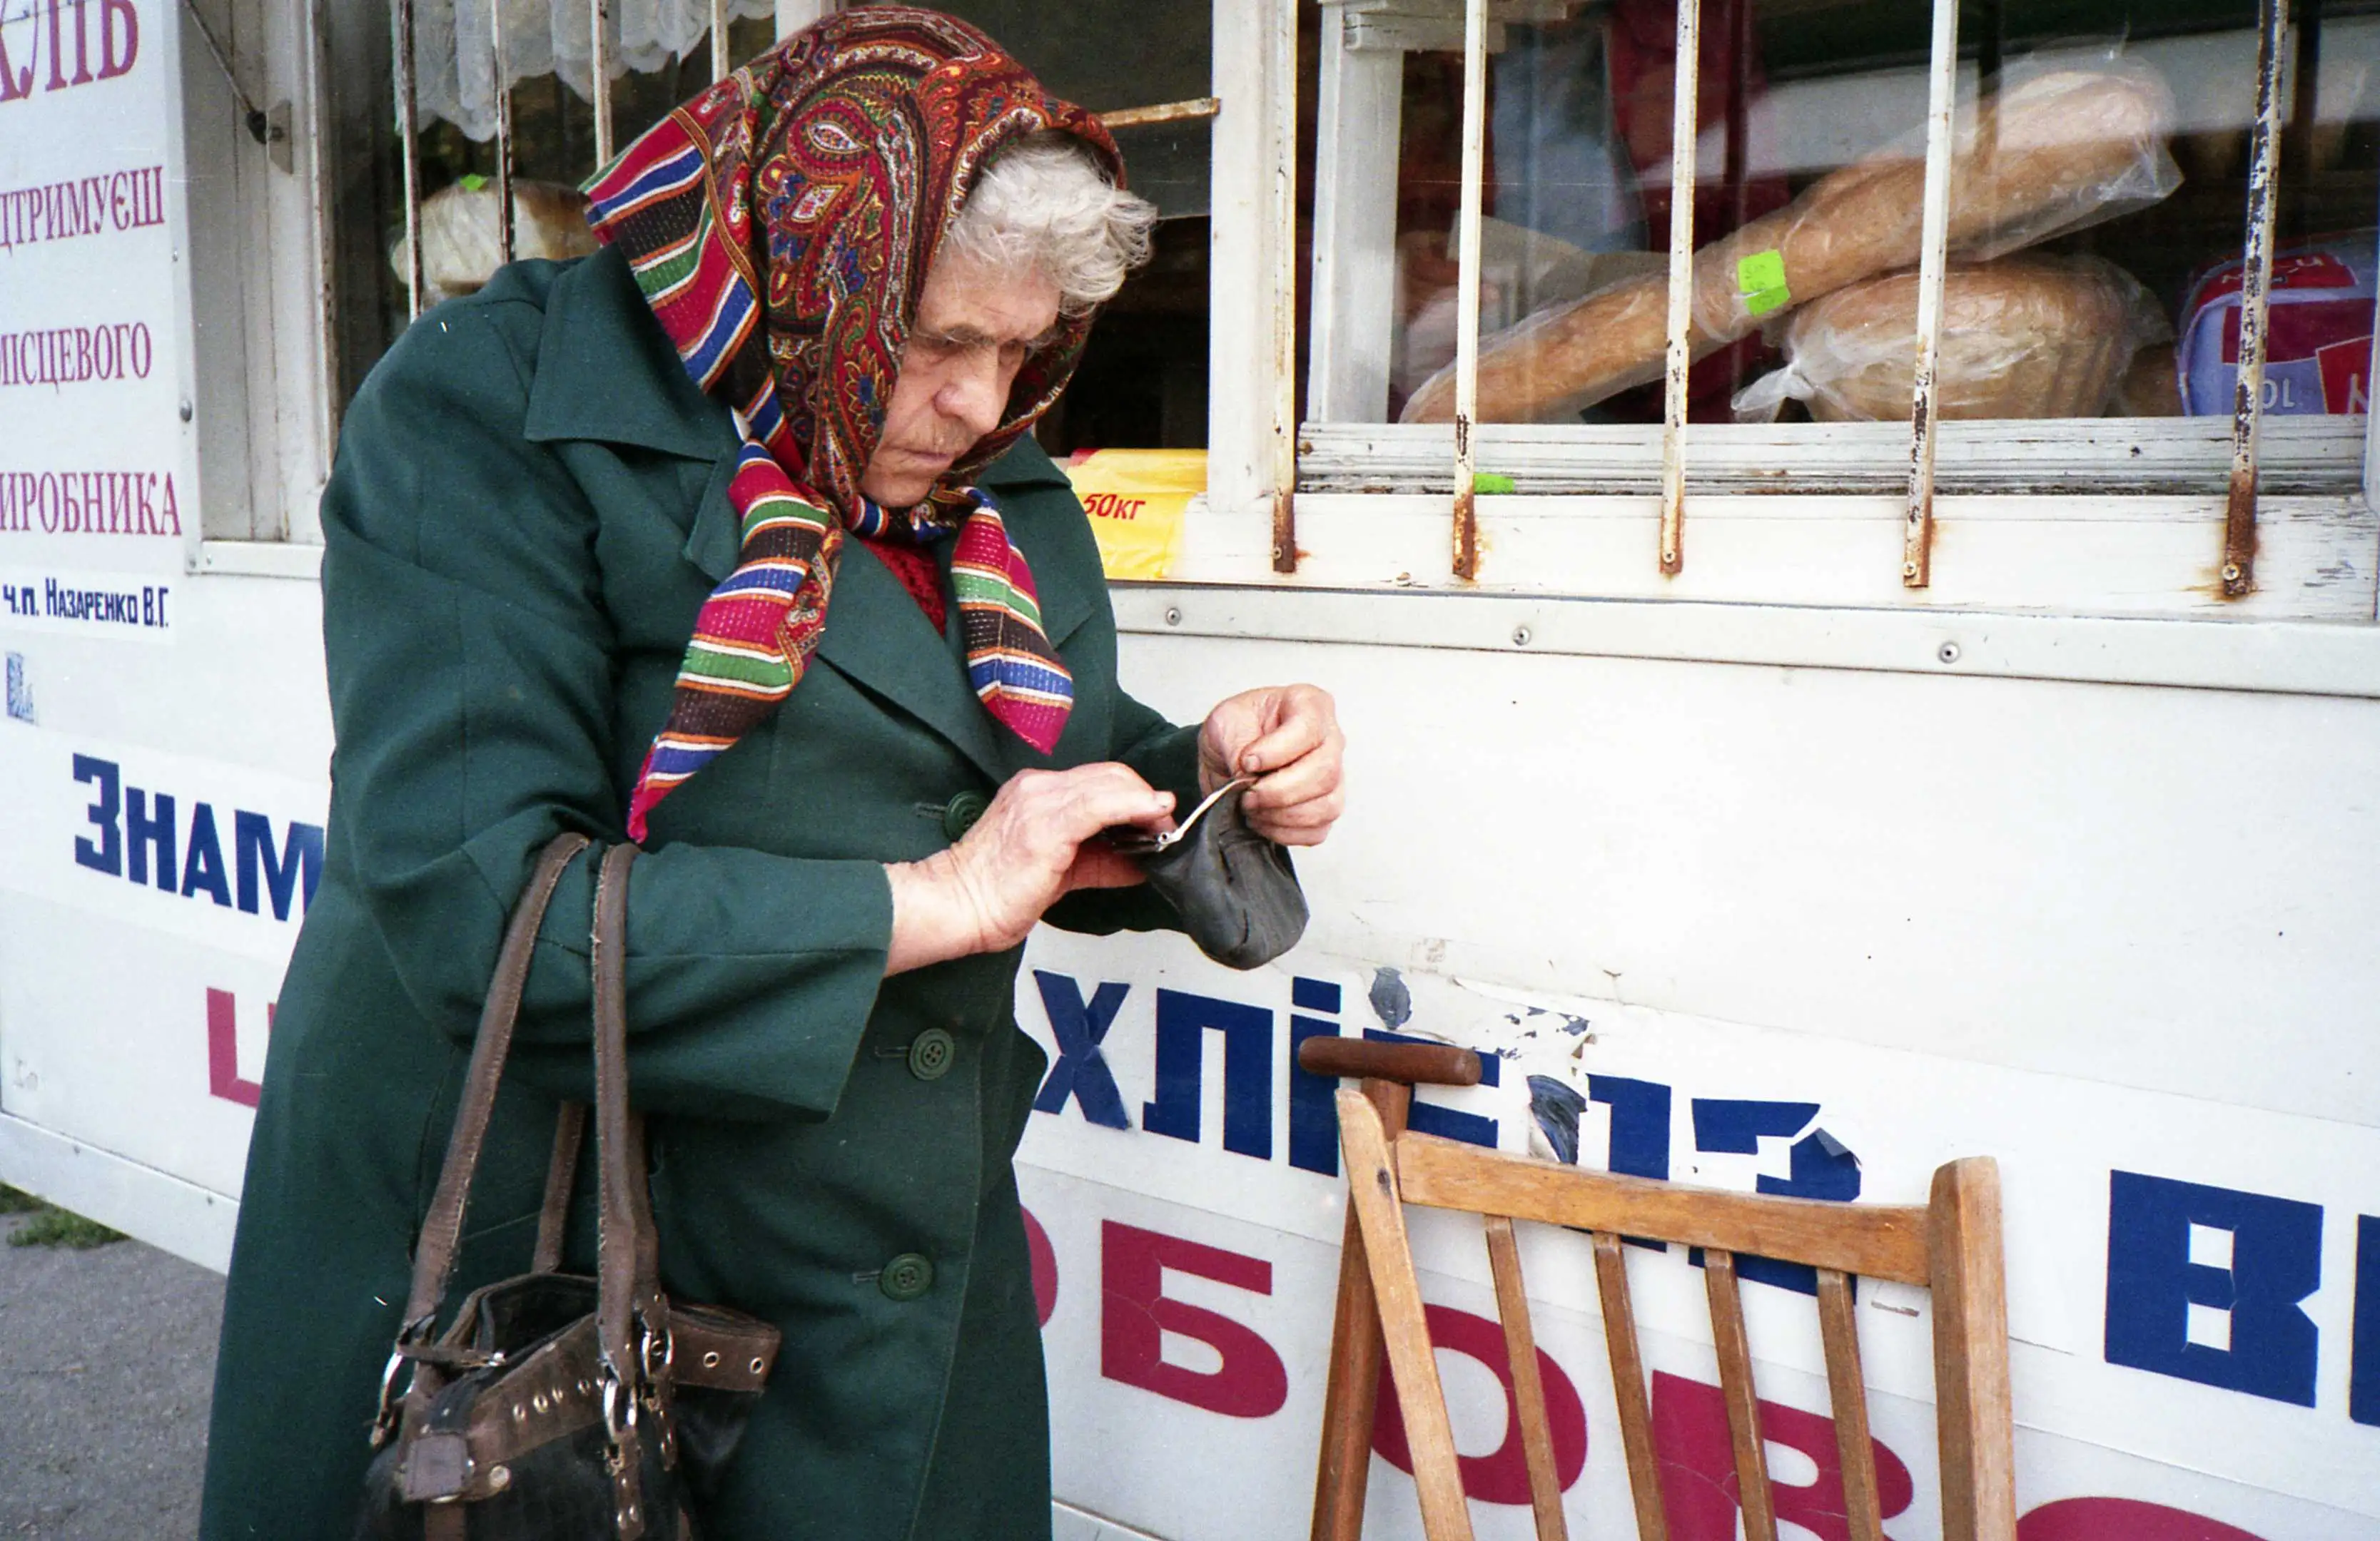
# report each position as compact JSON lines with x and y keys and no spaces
{"x":1760,"y":280}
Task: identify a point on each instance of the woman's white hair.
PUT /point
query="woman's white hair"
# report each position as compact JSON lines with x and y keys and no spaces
{"x":1044,"y":204}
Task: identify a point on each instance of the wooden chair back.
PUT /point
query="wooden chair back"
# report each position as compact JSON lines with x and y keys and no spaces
{"x":1950,"y":1245}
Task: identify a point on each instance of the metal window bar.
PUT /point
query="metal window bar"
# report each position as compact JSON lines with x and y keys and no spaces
{"x":1163,"y":112}
{"x":720,"y":62}
{"x":503,"y":134}
{"x":2238,"y":572}
{"x":1684,"y":109}
{"x":598,"y":78}
{"x":407,"y":117}
{"x":1466,"y":289}
{"x":1281,"y":69}
{"x":1917,"y":535}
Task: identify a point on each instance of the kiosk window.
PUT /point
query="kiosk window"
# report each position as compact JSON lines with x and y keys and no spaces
{"x":2100,"y":160}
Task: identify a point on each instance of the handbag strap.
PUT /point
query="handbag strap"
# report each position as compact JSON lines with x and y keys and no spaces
{"x":441,"y":1229}
{"x":627,"y":1248}
{"x":561,"y":1176}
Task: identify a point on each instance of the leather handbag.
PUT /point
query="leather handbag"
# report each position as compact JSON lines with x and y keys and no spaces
{"x":555,"y":1407}
{"x":1235,"y":890}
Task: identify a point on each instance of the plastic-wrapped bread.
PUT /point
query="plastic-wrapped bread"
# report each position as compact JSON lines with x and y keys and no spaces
{"x":2022,"y":337}
{"x":2150,"y":388}
{"x":2065,"y":149}
{"x":459,"y":249}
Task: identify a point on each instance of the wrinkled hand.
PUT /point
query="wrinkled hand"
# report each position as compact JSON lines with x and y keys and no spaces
{"x":1287,"y":735}
{"x":1032,"y":847}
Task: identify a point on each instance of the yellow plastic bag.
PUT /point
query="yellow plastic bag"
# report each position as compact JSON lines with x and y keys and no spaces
{"x":1135,"y":499}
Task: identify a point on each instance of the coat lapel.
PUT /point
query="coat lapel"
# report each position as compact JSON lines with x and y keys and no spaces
{"x":877,"y":635}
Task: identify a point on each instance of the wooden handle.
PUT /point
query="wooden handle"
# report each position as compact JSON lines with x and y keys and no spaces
{"x":1415,"y":1064}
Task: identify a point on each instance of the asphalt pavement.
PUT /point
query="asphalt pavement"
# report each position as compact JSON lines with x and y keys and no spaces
{"x":107,"y":1358}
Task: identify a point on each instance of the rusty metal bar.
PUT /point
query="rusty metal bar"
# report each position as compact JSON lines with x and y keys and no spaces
{"x":720,"y":64}
{"x":407,"y":125}
{"x":503,"y":134}
{"x":598,"y":78}
{"x":2256,"y":282}
{"x":1466,"y":289}
{"x":1917,"y":529}
{"x":1280,"y":70}
{"x":1684,"y":112}
{"x":1163,"y":112}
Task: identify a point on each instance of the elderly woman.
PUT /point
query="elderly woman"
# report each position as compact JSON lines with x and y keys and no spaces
{"x":783,"y":415}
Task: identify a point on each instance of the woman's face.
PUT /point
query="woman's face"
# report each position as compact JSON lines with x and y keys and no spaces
{"x":976,"y":327}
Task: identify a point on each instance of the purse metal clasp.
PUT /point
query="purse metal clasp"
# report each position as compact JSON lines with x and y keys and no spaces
{"x":1133,"y":841}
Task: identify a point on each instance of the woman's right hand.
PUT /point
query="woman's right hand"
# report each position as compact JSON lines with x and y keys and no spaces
{"x":1033,"y":846}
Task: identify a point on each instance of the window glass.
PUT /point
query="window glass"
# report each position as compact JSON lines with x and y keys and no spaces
{"x":1142,"y":383}
{"x":2097,"y":216}
{"x":553,"y":151}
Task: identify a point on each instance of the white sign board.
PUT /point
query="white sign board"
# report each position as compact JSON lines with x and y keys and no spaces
{"x":2194,"y":1289}
{"x":97,"y":480}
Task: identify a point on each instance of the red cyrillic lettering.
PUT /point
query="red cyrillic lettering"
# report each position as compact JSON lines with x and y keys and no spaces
{"x":1044,"y":1258}
{"x":12,"y":83}
{"x":1136,"y":1314}
{"x":2133,"y":1519}
{"x":57,"y":53}
{"x":1698,"y":1466}
{"x":110,"y":64}
{"x":1501,"y":1477}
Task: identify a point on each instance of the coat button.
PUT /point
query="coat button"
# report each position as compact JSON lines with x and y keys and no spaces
{"x":905,"y":1277}
{"x":931,"y":1054}
{"x":960,"y":812}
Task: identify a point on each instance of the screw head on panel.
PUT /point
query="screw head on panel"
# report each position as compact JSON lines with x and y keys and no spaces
{"x":1947,"y":653}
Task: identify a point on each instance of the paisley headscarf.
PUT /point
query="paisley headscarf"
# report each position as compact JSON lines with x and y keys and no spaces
{"x":780,"y":225}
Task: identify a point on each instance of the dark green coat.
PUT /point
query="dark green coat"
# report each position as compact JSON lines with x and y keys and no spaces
{"x":529,"y":505}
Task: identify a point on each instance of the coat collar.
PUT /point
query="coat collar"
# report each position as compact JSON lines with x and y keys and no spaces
{"x":606,"y":372}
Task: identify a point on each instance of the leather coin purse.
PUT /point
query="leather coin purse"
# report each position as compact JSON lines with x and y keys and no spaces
{"x":1235,"y":890}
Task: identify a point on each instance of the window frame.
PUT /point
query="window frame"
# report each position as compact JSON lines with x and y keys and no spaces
{"x":2309,"y":469}
{"x":257,"y":310}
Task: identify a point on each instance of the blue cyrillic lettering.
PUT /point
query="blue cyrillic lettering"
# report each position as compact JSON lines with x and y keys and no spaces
{"x":202,"y":870}
{"x":301,"y":854}
{"x":1182,"y":1023}
{"x":2151,"y":1283}
{"x":108,"y":854}
{"x":144,"y":834}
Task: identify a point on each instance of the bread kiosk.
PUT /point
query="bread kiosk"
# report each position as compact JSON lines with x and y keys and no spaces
{"x":1849,"y":566}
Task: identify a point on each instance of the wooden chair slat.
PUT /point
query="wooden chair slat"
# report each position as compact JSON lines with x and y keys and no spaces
{"x":1528,"y":1386}
{"x":1877,"y":1241}
{"x":1846,"y":1389}
{"x":1628,"y":1387}
{"x":1971,"y":1372}
{"x":1350,"y":1397}
{"x":1372,"y":1189}
{"x":1736,"y":1390}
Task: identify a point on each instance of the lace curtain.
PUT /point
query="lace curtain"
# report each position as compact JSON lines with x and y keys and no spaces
{"x":455,"y":62}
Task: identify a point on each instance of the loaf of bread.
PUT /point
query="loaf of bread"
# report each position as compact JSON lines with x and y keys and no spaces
{"x":2064,"y":149}
{"x":2022,"y":337}
{"x":459,"y":249}
{"x":2151,"y":387}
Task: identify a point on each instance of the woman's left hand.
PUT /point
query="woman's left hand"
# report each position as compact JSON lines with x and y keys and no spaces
{"x":1288,"y":736}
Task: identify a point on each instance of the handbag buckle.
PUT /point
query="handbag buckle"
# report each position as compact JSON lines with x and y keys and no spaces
{"x":619,"y":1406}
{"x":385,"y":1414}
